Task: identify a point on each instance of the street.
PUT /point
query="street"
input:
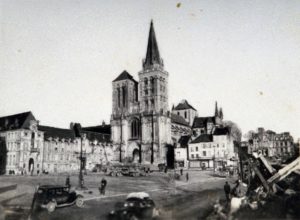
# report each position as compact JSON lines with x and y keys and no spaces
{"x":187,"y":200}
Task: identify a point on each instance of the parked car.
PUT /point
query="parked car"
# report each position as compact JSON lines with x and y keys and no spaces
{"x":136,"y":206}
{"x":51,"y":197}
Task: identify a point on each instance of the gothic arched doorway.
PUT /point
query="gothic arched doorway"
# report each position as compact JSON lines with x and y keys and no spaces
{"x":31,"y":165}
{"x":135,"y":156}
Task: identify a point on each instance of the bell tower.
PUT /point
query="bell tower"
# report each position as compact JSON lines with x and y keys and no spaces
{"x":153,"y":79}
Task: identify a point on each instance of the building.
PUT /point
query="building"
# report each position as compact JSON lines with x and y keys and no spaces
{"x":206,"y":125}
{"x":34,"y":148}
{"x":181,"y":151}
{"x":271,"y":144}
{"x":141,"y":120}
{"x":186,"y":111}
{"x":212,"y":150}
{"x":179,"y":127}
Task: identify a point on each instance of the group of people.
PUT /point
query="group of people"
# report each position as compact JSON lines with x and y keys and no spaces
{"x":234,"y":192}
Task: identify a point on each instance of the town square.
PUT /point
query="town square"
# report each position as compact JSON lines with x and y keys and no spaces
{"x":153,"y":110}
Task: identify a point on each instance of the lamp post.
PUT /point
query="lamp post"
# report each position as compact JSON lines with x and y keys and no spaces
{"x":77,"y":130}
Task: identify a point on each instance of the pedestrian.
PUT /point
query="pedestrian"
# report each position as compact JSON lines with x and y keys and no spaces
{"x":181,"y":171}
{"x":227,"y":191}
{"x":187,"y":176}
{"x":68,"y":184}
{"x":236,"y":189}
{"x":103,"y":186}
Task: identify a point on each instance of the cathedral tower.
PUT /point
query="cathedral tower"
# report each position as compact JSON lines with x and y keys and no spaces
{"x":140,"y":120}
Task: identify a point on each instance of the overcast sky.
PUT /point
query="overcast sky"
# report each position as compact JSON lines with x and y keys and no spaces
{"x":59,"y":57}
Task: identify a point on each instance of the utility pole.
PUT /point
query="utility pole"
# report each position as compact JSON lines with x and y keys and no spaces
{"x":121,"y":138}
{"x":77,"y":130}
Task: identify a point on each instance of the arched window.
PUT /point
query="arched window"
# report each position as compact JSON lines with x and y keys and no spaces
{"x":135,"y":128}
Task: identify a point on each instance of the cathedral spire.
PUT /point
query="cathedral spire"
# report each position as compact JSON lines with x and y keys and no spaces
{"x":152,"y":55}
{"x":216,"y":109}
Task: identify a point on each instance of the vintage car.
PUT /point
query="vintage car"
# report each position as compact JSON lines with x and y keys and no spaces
{"x":137,"y":205}
{"x":51,"y":197}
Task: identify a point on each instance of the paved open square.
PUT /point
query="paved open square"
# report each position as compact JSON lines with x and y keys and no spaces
{"x":175,"y":199}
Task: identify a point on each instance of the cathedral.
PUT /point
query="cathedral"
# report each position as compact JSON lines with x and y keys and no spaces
{"x":141,"y":119}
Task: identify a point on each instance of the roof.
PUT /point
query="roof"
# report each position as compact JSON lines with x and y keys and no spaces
{"x":17,"y":121}
{"x":203,"y":138}
{"x":138,"y":195}
{"x":200,"y":122}
{"x":152,"y":55}
{"x":184,"y":140}
{"x":222,"y":131}
{"x":125,"y":75}
{"x":177,"y":119}
{"x":60,"y":133}
{"x":103,"y":129}
{"x":97,"y":136}
{"x":184,"y":105}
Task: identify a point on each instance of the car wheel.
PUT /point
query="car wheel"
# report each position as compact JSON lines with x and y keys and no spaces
{"x":79,"y":201}
{"x":51,"y":206}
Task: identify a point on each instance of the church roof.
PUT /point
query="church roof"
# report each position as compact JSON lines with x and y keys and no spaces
{"x":17,"y":121}
{"x":177,"y":119}
{"x":222,"y":131}
{"x":184,"y":105}
{"x":184,"y":140}
{"x":200,"y":122}
{"x":203,"y":138}
{"x":123,"y":76}
{"x":152,"y":55}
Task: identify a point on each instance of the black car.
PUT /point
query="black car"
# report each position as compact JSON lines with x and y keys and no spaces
{"x":54,"y":196}
{"x":137,"y":206}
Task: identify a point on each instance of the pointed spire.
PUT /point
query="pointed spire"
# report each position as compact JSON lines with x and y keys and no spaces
{"x":221,"y":113}
{"x":152,"y":55}
{"x":216,"y":109}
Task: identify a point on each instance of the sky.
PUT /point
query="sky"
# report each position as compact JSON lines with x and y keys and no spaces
{"x":58,"y":57}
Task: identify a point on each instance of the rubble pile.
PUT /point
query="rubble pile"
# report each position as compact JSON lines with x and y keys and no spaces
{"x":269,"y":194}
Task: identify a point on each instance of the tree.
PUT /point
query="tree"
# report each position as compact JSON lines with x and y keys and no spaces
{"x":235,"y":131}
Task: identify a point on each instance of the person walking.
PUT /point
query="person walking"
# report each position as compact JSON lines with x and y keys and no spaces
{"x":181,"y":171}
{"x":187,"y":176}
{"x":103,"y":186}
{"x":227,"y":191}
{"x":68,"y":184}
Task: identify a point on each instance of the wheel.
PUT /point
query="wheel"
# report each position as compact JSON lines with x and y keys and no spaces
{"x":51,"y":206}
{"x":79,"y":201}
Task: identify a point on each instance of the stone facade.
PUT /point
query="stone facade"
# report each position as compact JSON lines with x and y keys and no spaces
{"x":140,"y":120}
{"x":271,"y":144}
{"x":35,"y":149}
